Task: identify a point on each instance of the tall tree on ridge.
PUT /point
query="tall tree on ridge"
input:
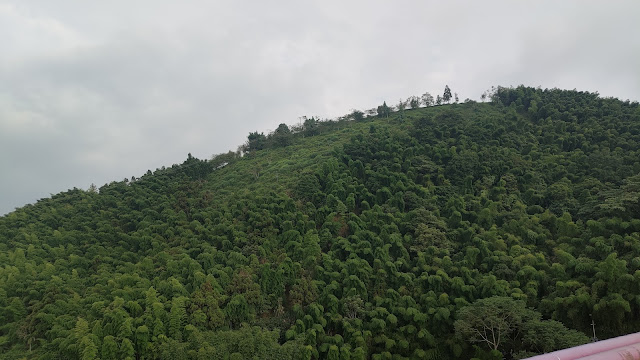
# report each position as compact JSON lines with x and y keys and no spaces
{"x":427,"y":99}
{"x":446,"y":97}
{"x":414,"y":102}
{"x":384,"y":110}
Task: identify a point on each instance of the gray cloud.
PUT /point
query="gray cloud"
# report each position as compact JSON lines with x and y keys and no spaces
{"x":95,"y":92}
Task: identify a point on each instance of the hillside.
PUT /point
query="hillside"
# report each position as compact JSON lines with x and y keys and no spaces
{"x":393,"y":237}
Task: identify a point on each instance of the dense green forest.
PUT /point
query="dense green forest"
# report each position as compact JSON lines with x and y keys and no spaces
{"x":492,"y":230}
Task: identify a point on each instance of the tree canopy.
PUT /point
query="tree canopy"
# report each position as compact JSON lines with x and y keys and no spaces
{"x":354,"y":238}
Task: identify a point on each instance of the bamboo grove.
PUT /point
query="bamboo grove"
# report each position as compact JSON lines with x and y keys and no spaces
{"x":367,"y":237}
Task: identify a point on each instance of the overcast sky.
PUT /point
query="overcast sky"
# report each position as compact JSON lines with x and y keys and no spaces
{"x":96,"y":91}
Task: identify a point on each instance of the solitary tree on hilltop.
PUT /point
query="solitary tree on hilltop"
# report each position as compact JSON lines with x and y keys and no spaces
{"x":384,"y":110}
{"x":401,"y":106}
{"x":427,"y":99}
{"x":282,"y":135}
{"x":414,"y":102}
{"x":310,"y":126}
{"x":446,"y":97}
{"x":255,"y":141}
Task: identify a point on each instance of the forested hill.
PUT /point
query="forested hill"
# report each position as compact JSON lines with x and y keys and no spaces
{"x":487,"y":230}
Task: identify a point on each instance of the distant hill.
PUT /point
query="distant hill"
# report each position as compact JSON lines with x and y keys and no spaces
{"x":487,"y":230}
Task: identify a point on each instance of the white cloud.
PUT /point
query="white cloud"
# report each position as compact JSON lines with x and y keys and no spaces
{"x":26,"y":35}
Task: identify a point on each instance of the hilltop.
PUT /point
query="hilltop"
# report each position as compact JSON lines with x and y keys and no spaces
{"x":397,"y":235}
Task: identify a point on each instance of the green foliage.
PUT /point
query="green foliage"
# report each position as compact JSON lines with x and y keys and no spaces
{"x":446,"y":97}
{"x":384,"y":110}
{"x":357,"y":238}
{"x":237,"y":311}
{"x":550,"y":335}
{"x":491,"y":321}
{"x":109,"y":348}
{"x":502,"y":323}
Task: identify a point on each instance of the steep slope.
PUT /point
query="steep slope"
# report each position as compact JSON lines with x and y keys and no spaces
{"x":373,"y":238}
